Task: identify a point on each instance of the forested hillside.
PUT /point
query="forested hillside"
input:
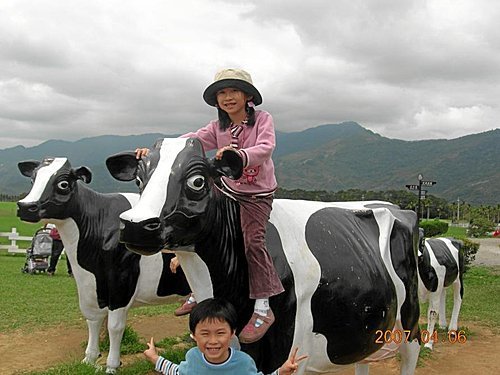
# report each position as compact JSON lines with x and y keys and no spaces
{"x":328,"y":157}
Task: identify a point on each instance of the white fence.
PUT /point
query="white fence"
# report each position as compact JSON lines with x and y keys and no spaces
{"x":13,"y":236}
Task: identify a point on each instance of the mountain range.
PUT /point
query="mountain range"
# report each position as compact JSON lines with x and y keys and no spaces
{"x":328,"y":157}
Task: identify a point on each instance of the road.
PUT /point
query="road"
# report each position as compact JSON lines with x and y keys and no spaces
{"x":489,"y":251}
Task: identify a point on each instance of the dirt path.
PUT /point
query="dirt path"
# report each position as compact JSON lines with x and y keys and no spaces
{"x":489,"y":251}
{"x":480,"y":355}
{"x":41,"y":349}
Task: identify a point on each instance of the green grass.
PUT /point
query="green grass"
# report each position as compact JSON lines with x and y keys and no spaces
{"x":173,"y":348}
{"x":480,"y":303}
{"x":9,"y":220}
{"x":139,"y":367}
{"x":481,"y":296}
{"x":28,"y":301}
{"x":456,"y":232}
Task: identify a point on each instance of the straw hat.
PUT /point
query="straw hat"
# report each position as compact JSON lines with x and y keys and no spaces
{"x":237,"y":78}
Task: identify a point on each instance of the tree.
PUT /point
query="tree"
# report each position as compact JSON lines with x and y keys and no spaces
{"x":480,"y":226}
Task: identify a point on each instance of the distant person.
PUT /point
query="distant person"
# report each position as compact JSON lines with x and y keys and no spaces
{"x":57,"y":248}
{"x":213,"y":324}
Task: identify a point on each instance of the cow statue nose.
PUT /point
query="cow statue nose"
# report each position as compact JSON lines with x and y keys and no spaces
{"x":28,"y":211}
{"x":144,"y":237}
{"x":153,"y":225}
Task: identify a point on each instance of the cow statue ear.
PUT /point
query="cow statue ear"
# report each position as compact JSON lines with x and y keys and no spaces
{"x":123,"y":166}
{"x":84,"y":174}
{"x":27,"y":167}
{"x":229,"y":165}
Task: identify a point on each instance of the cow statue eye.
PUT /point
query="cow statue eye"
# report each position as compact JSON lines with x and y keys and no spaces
{"x":63,"y":185}
{"x":139,"y":183}
{"x":196,"y":182}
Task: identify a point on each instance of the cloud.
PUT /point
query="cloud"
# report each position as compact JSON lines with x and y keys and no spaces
{"x":449,"y":122}
{"x":409,"y":70}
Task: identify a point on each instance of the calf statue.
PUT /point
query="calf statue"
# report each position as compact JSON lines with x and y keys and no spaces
{"x":440,"y":265}
{"x":109,"y":278}
{"x":349,"y":269}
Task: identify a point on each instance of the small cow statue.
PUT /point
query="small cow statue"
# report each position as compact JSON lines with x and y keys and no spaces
{"x":440,"y":265}
{"x":109,"y":278}
{"x":349,"y":269}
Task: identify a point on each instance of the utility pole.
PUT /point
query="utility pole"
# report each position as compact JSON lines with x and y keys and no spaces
{"x":420,"y":178}
{"x":458,"y":210}
{"x":421,"y":193}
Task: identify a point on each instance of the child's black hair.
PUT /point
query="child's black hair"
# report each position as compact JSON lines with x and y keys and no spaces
{"x":225,"y":121}
{"x":213,"y":309}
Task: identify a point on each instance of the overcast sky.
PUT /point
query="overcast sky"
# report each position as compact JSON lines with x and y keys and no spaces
{"x":403,"y":69}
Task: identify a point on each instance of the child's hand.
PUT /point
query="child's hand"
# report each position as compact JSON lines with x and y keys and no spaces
{"x":140,"y":152}
{"x":220,"y":151}
{"x":151,"y":353}
{"x":292,"y":364}
{"x":174,"y":264}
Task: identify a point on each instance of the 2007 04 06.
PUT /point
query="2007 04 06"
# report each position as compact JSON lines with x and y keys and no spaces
{"x":398,"y":336}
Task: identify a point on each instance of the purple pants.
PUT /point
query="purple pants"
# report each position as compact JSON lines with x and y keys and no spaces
{"x":254,"y":215}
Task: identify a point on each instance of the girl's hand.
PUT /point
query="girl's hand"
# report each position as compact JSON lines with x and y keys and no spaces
{"x":140,"y":152}
{"x":174,"y":263}
{"x":220,"y":151}
{"x":151,"y":353}
{"x":292,"y":363}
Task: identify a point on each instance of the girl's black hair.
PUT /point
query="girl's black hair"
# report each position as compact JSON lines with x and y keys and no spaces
{"x":213,"y":309}
{"x":225,"y":121}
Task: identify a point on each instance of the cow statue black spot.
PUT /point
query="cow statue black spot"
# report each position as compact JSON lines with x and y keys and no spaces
{"x":440,"y":266}
{"x":349,"y":269}
{"x":109,"y":278}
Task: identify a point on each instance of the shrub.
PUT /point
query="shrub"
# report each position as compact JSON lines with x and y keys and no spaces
{"x":469,"y":250}
{"x":479,"y":227}
{"x":434,"y":227}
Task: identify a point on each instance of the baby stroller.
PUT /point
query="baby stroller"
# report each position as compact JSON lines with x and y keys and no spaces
{"x":37,"y":255}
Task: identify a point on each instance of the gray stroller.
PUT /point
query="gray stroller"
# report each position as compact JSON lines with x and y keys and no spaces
{"x":37,"y":255}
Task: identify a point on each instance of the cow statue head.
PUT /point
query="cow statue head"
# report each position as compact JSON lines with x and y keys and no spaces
{"x":176,"y":181}
{"x":54,"y":183}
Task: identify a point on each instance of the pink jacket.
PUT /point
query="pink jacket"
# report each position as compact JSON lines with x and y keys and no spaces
{"x":256,"y":145}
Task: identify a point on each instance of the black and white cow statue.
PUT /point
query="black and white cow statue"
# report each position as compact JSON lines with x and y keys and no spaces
{"x":109,"y":278}
{"x":440,"y":266}
{"x":349,"y":269}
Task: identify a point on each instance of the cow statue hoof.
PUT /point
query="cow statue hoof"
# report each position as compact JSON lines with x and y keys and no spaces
{"x":92,"y":362}
{"x":88,"y":360}
{"x":110,"y":370}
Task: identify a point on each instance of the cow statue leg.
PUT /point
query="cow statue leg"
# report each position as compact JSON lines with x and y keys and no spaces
{"x":457,"y":303}
{"x":361,"y":369}
{"x":442,"y":309}
{"x":94,"y":324}
{"x":432,"y":315}
{"x":409,"y":356}
{"x":197,"y":274}
{"x":117,"y":320}
{"x":90,"y":310}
